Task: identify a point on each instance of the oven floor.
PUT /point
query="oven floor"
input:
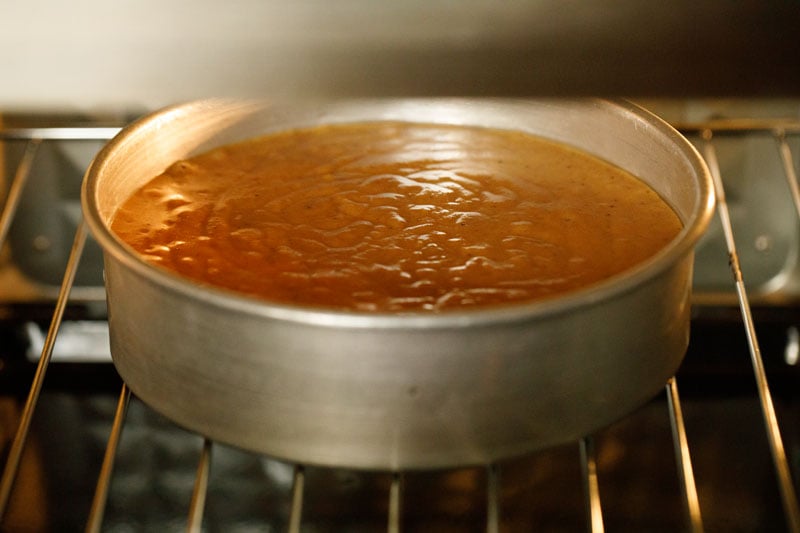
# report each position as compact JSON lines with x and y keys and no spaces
{"x":154,"y":475}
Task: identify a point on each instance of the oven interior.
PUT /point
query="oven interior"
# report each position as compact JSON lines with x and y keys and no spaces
{"x":719,"y":450}
{"x":633,"y":462}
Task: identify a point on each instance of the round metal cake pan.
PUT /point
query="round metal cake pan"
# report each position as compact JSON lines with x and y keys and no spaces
{"x":385,"y":391}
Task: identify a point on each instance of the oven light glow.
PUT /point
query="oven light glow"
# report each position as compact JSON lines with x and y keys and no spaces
{"x":792,"y":352}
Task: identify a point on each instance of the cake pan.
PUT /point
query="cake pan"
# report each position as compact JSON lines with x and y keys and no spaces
{"x":391,"y":391}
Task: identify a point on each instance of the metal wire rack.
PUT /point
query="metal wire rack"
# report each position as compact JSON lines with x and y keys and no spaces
{"x":395,"y":489}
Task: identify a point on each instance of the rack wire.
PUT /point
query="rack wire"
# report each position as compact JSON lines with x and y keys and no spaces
{"x":707,"y":131}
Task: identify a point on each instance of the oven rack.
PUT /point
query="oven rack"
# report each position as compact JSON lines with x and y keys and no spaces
{"x":707,"y":132}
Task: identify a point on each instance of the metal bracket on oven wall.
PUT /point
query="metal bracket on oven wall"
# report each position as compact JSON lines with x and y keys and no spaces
{"x":80,"y":341}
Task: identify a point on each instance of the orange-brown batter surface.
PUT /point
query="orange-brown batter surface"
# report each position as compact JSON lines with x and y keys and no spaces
{"x":395,"y":217}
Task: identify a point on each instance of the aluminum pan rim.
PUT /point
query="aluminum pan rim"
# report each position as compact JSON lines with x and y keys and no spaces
{"x":610,"y":288}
